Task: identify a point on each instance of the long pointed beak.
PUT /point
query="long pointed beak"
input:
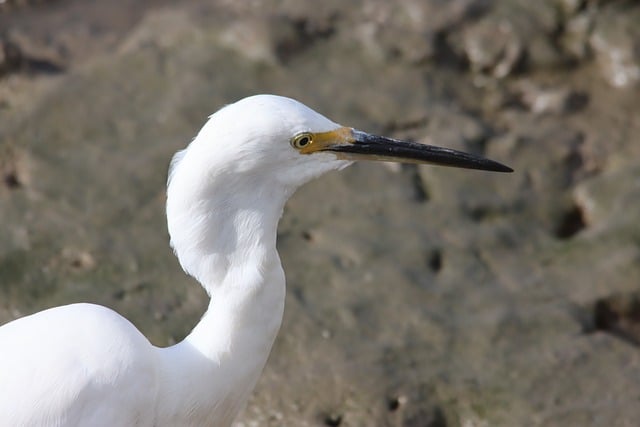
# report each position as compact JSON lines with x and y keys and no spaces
{"x":352,"y":144}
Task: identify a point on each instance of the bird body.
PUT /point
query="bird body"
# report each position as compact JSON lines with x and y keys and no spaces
{"x":55,"y":364}
{"x":84,"y":364}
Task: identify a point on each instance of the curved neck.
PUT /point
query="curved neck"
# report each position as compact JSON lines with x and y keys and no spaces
{"x":223,"y":231}
{"x":228,"y":243}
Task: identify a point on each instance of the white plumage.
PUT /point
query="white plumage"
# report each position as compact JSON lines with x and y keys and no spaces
{"x":85,"y":365}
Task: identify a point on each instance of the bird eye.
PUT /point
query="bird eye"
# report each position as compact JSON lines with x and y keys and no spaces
{"x":301,"y":140}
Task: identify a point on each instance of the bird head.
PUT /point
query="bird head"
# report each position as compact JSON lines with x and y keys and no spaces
{"x":277,"y":138}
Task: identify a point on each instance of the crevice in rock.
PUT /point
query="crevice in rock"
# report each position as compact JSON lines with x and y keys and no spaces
{"x":13,"y":169}
{"x":571,"y":223}
{"x":619,"y":315}
{"x":42,"y":66}
{"x":10,"y":56}
{"x":434,"y":260}
{"x":11,"y":180}
{"x":307,"y":235}
{"x":395,"y":403}
{"x":477,"y":213}
{"x":302,"y":33}
{"x":445,"y":55}
{"x":434,"y":418}
{"x":332,"y":420}
{"x":439,"y":420}
{"x":13,"y":59}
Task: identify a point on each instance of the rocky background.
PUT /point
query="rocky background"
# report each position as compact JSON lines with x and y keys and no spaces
{"x":417,"y":296}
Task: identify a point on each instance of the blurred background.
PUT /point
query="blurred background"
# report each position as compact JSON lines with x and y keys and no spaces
{"x":417,"y":296}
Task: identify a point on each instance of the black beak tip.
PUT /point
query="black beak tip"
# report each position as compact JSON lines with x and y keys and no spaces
{"x":499,"y":167}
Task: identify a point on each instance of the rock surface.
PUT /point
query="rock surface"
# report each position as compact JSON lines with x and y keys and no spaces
{"x":417,"y":296}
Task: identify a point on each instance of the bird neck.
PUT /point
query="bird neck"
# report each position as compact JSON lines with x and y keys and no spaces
{"x":225,"y":238}
{"x":208,"y":377}
{"x":223,"y":231}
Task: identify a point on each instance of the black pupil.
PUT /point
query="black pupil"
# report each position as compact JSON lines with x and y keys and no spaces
{"x":303,"y":141}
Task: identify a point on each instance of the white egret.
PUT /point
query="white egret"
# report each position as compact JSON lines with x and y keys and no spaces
{"x":85,"y":365}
